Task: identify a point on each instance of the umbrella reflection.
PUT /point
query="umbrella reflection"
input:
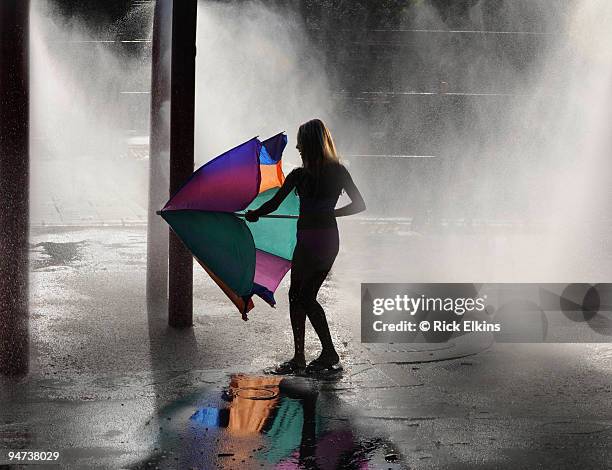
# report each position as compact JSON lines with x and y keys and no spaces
{"x":266,"y":422}
{"x":252,"y":401}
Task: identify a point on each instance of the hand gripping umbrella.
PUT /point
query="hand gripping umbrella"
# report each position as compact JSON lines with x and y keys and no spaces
{"x":242,"y":258}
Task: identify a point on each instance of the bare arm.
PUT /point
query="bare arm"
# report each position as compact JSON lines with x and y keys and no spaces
{"x":357,"y":203}
{"x":272,"y":204}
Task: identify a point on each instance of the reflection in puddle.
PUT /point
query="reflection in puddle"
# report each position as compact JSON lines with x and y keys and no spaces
{"x":263,"y":422}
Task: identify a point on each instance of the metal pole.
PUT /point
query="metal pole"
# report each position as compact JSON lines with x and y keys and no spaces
{"x":180,"y":280}
{"x":14,"y":186}
{"x":159,"y":152}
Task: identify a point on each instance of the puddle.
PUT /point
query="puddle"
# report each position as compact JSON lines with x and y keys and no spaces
{"x":259,"y":422}
{"x":89,"y":249}
{"x":53,"y":255}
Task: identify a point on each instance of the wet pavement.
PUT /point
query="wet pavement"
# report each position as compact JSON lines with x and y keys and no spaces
{"x":112,"y":386}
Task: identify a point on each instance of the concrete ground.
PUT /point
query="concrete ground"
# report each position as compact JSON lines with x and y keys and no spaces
{"x":112,"y":386}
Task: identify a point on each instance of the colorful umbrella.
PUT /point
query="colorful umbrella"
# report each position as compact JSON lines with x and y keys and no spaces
{"x":243,"y":258}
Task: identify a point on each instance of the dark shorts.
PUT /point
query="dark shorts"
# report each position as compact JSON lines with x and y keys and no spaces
{"x":315,"y":251}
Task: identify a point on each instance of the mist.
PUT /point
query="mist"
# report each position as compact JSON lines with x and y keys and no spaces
{"x":515,"y":125}
{"x":87,"y":91}
{"x":257,"y":74}
{"x":511,"y":100}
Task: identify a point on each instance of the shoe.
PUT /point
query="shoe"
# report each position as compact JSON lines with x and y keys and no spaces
{"x":286,"y":368}
{"x":324,"y":364}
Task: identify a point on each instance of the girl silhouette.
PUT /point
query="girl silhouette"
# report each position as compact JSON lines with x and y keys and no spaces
{"x":318,"y":183}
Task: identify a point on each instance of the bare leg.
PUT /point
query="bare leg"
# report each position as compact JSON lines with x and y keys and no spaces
{"x":317,"y":318}
{"x":316,"y":314}
{"x":297,"y":314}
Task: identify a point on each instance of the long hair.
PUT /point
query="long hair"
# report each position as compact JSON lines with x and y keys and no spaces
{"x":316,"y":145}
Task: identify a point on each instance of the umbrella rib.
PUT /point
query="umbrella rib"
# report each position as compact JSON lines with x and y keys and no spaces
{"x":269,"y":216}
{"x":272,"y":216}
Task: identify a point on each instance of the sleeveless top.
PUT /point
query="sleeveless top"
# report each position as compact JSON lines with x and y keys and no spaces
{"x":318,"y":195}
